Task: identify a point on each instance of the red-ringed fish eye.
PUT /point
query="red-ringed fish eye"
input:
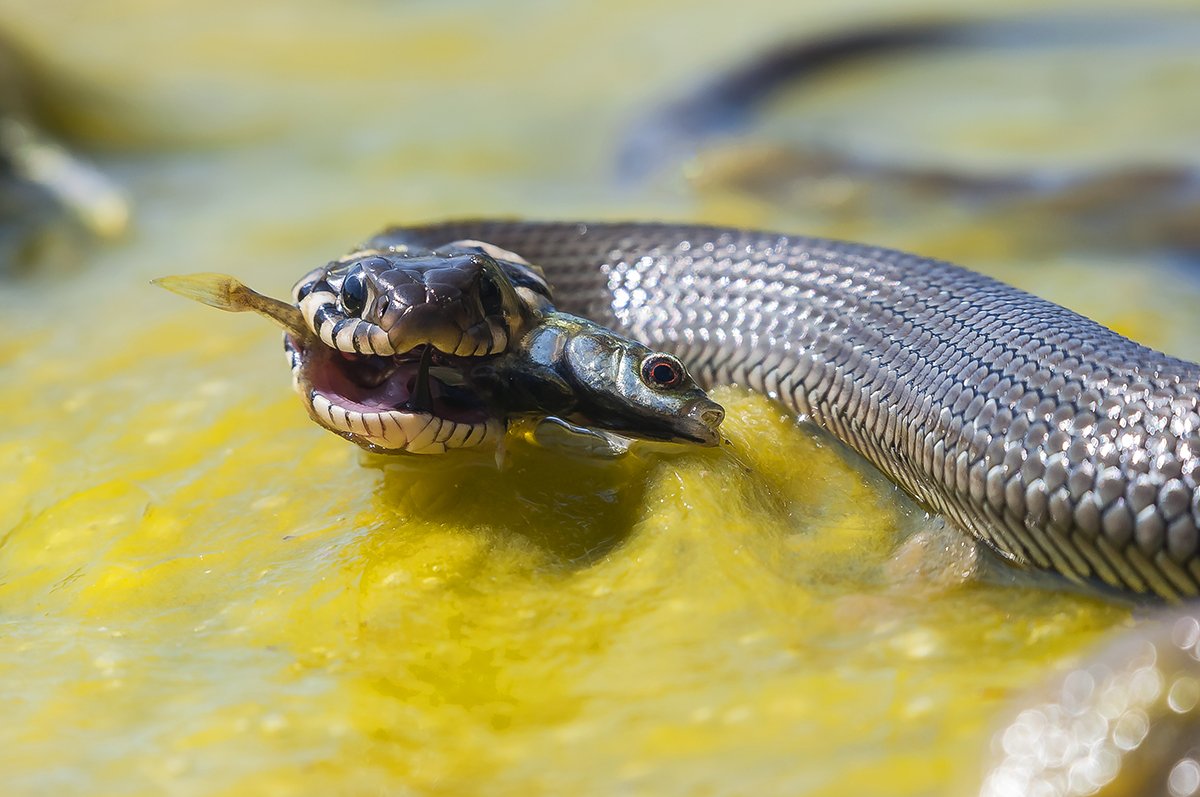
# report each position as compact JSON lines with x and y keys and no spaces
{"x":662,"y":371}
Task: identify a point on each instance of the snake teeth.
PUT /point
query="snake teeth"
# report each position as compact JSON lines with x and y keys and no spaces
{"x":414,"y":432}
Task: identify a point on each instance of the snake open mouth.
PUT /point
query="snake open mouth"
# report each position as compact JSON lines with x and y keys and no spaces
{"x":405,"y":402}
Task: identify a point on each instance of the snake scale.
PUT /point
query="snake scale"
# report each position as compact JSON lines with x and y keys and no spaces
{"x":1056,"y":441}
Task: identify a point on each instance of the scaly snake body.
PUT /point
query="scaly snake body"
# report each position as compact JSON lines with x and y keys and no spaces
{"x":1058,"y":442}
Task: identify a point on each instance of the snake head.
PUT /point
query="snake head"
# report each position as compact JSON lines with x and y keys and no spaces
{"x":460,"y":301}
{"x":390,"y":333}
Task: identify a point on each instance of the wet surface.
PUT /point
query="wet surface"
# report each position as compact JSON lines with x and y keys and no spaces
{"x":203,"y":592}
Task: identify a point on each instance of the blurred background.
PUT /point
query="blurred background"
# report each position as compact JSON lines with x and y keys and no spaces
{"x":161,"y":636}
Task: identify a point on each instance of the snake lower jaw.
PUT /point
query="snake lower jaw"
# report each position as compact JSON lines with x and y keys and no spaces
{"x":387,"y":405}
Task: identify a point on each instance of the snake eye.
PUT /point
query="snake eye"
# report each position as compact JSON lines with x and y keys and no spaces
{"x":354,"y":292}
{"x":662,"y":371}
{"x":489,"y":296}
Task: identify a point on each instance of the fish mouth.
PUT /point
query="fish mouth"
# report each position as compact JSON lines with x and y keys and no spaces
{"x":698,"y":422}
{"x":409,"y":402}
{"x":701,"y":423}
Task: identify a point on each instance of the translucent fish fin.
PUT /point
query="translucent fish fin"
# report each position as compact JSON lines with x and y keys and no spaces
{"x":227,"y":293}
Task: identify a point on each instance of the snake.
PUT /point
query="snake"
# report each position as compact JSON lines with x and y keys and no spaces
{"x":1058,"y":443}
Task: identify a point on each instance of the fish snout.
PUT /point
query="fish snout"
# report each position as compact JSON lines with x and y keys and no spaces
{"x":704,"y":418}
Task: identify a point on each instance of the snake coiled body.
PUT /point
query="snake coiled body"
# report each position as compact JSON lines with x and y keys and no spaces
{"x":1058,"y":442}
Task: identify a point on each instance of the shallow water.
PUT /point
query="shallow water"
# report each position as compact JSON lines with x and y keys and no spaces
{"x":203,"y":593}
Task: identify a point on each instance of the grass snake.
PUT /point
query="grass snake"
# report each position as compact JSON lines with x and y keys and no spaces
{"x":1056,"y":441}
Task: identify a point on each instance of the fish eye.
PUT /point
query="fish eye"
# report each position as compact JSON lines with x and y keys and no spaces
{"x":662,"y":371}
{"x":354,"y":292}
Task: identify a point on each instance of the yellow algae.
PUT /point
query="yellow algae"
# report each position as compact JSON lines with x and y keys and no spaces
{"x":260,"y":608}
{"x":202,"y":593}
